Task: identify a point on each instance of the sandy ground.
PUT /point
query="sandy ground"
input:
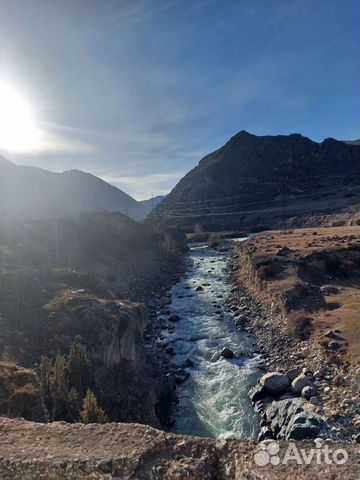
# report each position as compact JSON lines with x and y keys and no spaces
{"x":341,"y":311}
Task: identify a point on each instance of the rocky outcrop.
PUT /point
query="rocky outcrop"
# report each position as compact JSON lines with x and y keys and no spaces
{"x":289,"y":420}
{"x":20,"y":393}
{"x":70,"y":292}
{"x":285,"y":414}
{"x":112,"y":330}
{"x":60,"y":451}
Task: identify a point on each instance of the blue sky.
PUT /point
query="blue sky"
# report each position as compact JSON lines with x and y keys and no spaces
{"x":138,"y":91}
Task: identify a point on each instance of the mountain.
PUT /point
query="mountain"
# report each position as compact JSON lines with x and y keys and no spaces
{"x":31,"y":192}
{"x":151,"y":203}
{"x":256,"y":182}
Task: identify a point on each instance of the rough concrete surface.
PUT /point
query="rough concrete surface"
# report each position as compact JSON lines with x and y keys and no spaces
{"x":35,"y":451}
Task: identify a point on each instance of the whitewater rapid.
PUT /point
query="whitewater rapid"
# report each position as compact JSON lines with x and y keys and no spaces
{"x":213,"y":401}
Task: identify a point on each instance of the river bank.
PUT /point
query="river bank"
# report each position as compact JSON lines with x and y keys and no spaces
{"x":193,"y":322}
{"x":272,"y":270}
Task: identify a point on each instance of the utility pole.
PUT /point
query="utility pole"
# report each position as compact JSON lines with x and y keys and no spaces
{"x":284,"y":189}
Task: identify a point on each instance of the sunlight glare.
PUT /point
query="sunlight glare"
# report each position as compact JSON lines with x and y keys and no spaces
{"x":18,"y":132}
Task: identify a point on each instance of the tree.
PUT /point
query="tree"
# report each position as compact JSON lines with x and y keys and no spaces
{"x":79,"y":370}
{"x":74,"y":402}
{"x":91,"y":412}
{"x":59,"y":389}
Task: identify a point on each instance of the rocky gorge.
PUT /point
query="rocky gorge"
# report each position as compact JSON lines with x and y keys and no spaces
{"x":151,"y":367}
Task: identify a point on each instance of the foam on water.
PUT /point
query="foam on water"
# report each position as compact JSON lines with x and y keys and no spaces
{"x":214,"y":401}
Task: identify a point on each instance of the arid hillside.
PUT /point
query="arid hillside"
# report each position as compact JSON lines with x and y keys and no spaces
{"x":255,"y":183}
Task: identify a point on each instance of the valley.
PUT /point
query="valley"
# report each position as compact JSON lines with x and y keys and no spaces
{"x":203,"y":336}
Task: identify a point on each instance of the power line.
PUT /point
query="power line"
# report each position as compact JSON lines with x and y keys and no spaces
{"x":193,"y":211}
{"x":217,"y":199}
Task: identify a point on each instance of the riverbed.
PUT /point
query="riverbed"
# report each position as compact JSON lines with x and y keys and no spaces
{"x":213,"y":401}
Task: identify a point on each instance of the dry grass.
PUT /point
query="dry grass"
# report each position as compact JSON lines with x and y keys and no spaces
{"x":314,"y":258}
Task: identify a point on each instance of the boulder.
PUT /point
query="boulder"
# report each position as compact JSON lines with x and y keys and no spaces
{"x":293,"y":373}
{"x":329,"y":290}
{"x":188,"y":363}
{"x":174,"y":318}
{"x":333,"y":345}
{"x":302,"y":428}
{"x":227,"y":353}
{"x":265,"y":434}
{"x":308,"y":392}
{"x":287,"y":420}
{"x":274,"y":382}
{"x":199,"y":288}
{"x":299,"y":383}
{"x":257,"y":393}
{"x":181,"y":375}
{"x":333,"y":335}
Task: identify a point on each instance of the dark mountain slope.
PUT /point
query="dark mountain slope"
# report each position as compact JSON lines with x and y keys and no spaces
{"x":30,"y":192}
{"x":246,"y":183}
{"x":151,"y":203}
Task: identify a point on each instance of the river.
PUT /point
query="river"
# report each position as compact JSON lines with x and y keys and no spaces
{"x":213,"y":401}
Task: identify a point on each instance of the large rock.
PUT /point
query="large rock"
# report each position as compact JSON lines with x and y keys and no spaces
{"x":308,"y":392}
{"x":274,"y":382}
{"x":111,"y":330}
{"x":303,"y":426}
{"x":299,"y":383}
{"x":287,"y":419}
{"x":293,"y":373}
{"x":227,"y":353}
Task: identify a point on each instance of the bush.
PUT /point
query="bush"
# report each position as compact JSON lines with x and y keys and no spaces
{"x":91,"y":412}
{"x":65,"y":382}
{"x":269,"y":270}
{"x":299,"y":325}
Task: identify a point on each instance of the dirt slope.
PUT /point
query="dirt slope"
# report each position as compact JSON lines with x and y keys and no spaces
{"x":131,"y":451}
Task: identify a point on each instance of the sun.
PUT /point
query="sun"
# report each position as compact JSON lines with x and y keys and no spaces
{"x":18,"y":132}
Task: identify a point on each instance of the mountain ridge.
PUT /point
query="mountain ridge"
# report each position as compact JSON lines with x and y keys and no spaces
{"x":34,"y":192}
{"x":259,"y":171}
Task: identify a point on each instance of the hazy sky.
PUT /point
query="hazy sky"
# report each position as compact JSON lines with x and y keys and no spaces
{"x":138,"y":91}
